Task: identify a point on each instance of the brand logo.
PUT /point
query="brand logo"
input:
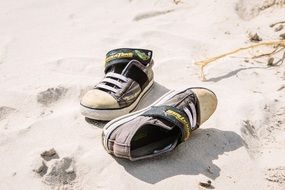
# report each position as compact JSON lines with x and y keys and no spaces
{"x":119,"y":56}
{"x":182,"y":120}
{"x":142,"y":55}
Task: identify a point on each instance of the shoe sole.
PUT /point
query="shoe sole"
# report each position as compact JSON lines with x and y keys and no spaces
{"x":114,"y":124}
{"x":109,"y":114}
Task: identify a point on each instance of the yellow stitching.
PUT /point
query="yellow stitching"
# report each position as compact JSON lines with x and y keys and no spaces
{"x":182,"y":119}
{"x":119,"y":56}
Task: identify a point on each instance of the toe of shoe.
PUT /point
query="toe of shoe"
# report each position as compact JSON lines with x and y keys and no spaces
{"x":207,"y":103}
{"x":98,"y":99}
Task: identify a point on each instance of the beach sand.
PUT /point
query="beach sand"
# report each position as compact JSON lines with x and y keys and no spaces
{"x":52,"y":52}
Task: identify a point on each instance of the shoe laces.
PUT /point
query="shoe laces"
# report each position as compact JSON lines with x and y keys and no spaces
{"x":112,"y":82}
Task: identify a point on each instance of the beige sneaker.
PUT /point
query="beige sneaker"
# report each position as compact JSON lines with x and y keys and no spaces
{"x":160,"y":127}
{"x":129,"y":76}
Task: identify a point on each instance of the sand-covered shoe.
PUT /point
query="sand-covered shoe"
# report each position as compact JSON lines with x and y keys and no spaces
{"x":160,"y":127}
{"x":128,"y":76}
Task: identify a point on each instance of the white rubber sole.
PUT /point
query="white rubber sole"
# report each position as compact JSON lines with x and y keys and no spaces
{"x":114,"y":124}
{"x":107,"y":115}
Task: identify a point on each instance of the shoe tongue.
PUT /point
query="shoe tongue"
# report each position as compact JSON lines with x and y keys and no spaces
{"x":117,"y":59}
{"x":161,"y":123}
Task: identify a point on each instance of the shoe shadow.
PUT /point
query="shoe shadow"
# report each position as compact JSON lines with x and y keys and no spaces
{"x":193,"y":157}
{"x":156,"y":91}
{"x":96,"y":123}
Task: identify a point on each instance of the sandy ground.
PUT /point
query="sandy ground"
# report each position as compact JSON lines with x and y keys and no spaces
{"x":52,"y":51}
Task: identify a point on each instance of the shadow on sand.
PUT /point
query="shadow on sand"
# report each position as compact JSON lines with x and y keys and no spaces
{"x":193,"y":157}
{"x":154,"y":93}
{"x":190,"y":158}
{"x":233,"y":73}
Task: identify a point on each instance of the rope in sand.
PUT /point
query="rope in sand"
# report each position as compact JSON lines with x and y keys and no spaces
{"x":276,"y":44}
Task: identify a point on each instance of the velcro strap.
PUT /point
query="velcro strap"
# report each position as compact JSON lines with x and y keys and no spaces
{"x":125,"y":55}
{"x":172,"y":115}
{"x":137,"y":75}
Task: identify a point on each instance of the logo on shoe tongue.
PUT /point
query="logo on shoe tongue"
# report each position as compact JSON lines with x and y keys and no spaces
{"x":182,"y":120}
{"x":128,"y":55}
{"x":119,"y":55}
{"x":142,"y":55}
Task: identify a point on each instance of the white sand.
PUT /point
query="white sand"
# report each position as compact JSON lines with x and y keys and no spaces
{"x":52,"y":51}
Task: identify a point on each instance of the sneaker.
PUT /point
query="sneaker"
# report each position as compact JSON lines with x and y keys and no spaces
{"x":160,"y":127}
{"x":128,"y":76}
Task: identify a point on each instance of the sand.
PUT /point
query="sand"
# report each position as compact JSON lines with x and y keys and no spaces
{"x":51,"y":52}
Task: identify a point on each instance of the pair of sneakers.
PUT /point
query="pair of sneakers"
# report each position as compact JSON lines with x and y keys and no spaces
{"x":154,"y":130}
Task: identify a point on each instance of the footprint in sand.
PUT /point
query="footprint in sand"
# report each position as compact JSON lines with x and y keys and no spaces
{"x":51,"y":95}
{"x":5,"y":111}
{"x":251,"y":139}
{"x":257,"y":137}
